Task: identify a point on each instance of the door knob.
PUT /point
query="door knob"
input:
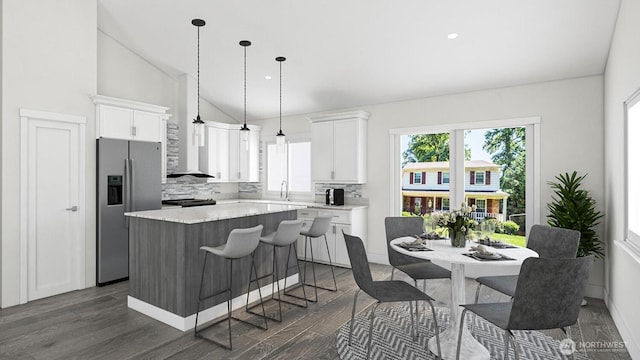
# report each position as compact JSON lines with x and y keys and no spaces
{"x":73,"y":208}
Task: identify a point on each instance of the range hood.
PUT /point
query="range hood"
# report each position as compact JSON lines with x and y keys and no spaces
{"x":194,"y":173}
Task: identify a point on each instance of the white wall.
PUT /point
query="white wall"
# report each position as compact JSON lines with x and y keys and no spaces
{"x":566,"y":108}
{"x":49,"y":63}
{"x":622,"y":78}
{"x":124,"y":74}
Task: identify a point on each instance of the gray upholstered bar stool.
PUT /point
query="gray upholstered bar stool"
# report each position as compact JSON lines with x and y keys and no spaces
{"x":318,"y":228}
{"x":240,"y":243}
{"x":285,"y":236}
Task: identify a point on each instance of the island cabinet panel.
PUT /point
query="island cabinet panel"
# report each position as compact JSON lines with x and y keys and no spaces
{"x":165,"y":262}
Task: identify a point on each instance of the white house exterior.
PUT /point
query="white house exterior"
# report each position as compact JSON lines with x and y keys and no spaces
{"x":425,"y":188}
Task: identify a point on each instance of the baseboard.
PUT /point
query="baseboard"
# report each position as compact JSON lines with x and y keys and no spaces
{"x":627,"y":336}
{"x":594,"y":291}
{"x":217,"y":311}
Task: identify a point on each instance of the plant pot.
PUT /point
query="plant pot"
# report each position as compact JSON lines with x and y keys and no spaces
{"x":458,"y":238}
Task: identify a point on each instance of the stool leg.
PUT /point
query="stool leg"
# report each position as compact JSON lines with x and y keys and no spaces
{"x":275,"y":279}
{"x":204,"y":265}
{"x":335,"y":284}
{"x":286,"y":275}
{"x":254,"y":270}
{"x":229,"y":300}
{"x":313,"y":270}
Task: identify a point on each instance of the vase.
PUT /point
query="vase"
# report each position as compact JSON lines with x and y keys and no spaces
{"x":458,"y":238}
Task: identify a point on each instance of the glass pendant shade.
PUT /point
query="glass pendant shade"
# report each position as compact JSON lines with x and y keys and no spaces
{"x":280,"y":141}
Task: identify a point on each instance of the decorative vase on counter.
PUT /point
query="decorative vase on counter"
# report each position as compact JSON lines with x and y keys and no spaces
{"x":458,"y":238}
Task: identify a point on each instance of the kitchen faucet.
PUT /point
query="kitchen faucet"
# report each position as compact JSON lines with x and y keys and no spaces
{"x":286,"y":188}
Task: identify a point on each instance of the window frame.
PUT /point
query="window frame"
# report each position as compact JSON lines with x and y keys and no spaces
{"x":631,"y":238}
{"x":456,"y":146}
{"x":476,"y":182}
{"x":445,"y":176}
{"x":417,"y":178}
{"x":268,"y":194}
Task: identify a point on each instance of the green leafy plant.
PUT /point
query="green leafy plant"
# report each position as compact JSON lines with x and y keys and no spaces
{"x":510,"y":227}
{"x":574,"y":208}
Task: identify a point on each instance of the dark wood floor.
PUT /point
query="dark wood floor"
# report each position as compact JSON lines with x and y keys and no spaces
{"x":96,"y":324}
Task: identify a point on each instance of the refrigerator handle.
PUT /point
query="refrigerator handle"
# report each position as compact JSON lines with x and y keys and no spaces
{"x":127,"y":189}
{"x":132,"y":185}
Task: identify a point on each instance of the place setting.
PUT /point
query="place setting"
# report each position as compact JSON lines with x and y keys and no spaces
{"x":481,"y":253}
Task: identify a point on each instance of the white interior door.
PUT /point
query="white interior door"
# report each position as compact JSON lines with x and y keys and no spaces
{"x":53,"y":167}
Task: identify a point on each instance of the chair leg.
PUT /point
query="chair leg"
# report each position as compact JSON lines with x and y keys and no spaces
{"x":335,"y":284}
{"x":464,"y":312}
{"x":506,"y":345}
{"x":413,"y":326}
{"x":286,"y":275}
{"x":254,"y":270}
{"x":204,"y":265}
{"x":515,"y":345}
{"x":392,"y":271}
{"x":353,"y":314}
{"x":436,"y":328}
{"x":313,"y":271}
{"x":373,"y":314}
{"x":229,"y":300}
{"x":473,"y":322}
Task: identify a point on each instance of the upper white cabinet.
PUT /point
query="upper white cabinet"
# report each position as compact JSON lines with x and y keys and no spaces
{"x":339,"y":147}
{"x":132,"y":120}
{"x":227,"y":157}
{"x":129,"y":120}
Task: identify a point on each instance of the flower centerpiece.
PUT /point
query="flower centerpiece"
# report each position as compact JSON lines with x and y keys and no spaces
{"x":458,"y":223}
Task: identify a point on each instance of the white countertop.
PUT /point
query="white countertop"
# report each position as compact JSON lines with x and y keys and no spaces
{"x":220,"y":211}
{"x":305,"y":204}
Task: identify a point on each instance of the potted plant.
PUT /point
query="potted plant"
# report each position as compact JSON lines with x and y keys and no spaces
{"x":573,"y":208}
{"x":458,"y":223}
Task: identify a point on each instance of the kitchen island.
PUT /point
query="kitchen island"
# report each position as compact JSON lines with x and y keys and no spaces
{"x":165,"y":263}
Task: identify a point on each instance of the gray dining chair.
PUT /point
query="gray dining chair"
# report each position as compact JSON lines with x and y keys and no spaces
{"x":548,"y":295}
{"x":417,"y":269}
{"x":549,"y":242}
{"x":382,"y":291}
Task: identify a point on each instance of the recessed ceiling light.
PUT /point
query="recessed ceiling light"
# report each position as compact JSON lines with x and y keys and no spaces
{"x":452,"y":36}
{"x":268,"y":77}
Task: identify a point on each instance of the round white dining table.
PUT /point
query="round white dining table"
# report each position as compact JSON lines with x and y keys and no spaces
{"x":462,"y":266}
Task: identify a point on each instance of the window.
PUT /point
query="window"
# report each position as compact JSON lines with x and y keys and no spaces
{"x":632,"y":108}
{"x":417,"y":178}
{"x":481,"y":205}
{"x":479,"y":177}
{"x":445,"y":204}
{"x":445,"y":177}
{"x":292,"y":165}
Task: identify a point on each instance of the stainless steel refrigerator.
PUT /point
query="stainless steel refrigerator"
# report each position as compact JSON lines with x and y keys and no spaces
{"x":129,"y":177}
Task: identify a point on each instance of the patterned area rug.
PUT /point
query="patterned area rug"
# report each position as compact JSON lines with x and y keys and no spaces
{"x":392,"y":337}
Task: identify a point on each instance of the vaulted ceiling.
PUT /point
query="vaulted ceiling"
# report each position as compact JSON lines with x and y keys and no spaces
{"x":343,"y":54}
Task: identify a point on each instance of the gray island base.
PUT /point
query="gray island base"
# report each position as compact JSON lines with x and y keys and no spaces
{"x":165,"y":263}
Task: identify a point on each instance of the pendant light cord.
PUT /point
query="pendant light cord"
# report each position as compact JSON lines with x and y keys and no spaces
{"x":245,"y":86}
{"x":280,"y":96}
{"x":198,"y":73}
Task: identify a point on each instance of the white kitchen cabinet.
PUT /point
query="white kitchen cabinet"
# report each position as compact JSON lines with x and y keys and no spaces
{"x":214,"y":156}
{"x":338,"y":147}
{"x":131,"y":120}
{"x":227,"y":157}
{"x":351,"y":221}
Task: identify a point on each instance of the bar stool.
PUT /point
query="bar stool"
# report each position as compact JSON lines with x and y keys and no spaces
{"x":240,"y":243}
{"x":285,"y":236}
{"x":318,"y":228}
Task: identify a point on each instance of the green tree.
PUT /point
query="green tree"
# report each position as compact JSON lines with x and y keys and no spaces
{"x":507,"y":148}
{"x":429,"y":148}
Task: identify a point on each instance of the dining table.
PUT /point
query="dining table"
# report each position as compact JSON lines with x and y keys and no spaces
{"x":463,"y":263}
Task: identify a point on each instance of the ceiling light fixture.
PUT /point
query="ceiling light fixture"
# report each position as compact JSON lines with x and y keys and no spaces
{"x":268,"y":77}
{"x":280,"y":137}
{"x":198,"y":124}
{"x":452,"y":36}
{"x":244,"y":130}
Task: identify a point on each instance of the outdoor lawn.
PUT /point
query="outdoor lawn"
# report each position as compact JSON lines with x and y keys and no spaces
{"x":511,"y":239}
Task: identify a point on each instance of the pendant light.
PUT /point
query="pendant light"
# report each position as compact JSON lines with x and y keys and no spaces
{"x":198,"y":124}
{"x":244,"y":130}
{"x":280,"y":137}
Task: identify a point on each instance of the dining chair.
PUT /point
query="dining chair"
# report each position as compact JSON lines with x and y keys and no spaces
{"x":382,"y":291}
{"x":548,"y":295}
{"x":549,"y":242}
{"x":417,"y":269}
